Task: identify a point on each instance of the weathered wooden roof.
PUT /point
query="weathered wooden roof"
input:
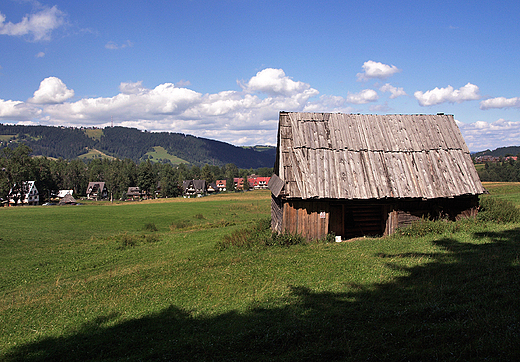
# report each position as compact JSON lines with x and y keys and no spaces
{"x":353,"y":156}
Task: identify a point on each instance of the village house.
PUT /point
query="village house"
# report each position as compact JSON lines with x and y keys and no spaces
{"x":258,"y":182}
{"x":133,"y":193}
{"x":212,"y":188}
{"x":487,"y":158}
{"x":221,"y":185}
{"x":29,"y":195}
{"x":355,"y":175}
{"x":96,"y":191}
{"x":68,"y":199}
{"x":63,"y":193}
{"x":194,"y":187}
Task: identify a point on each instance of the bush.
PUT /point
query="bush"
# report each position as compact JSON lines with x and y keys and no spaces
{"x":425,"y":227}
{"x":150,"y":226}
{"x":498,"y":210}
{"x":125,"y":240}
{"x":261,"y":235}
{"x":258,"y":235}
{"x":179,"y":224}
{"x":287,"y":239}
{"x":150,"y":238}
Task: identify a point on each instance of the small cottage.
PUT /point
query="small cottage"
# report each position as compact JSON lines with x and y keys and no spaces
{"x":68,"y":199}
{"x":194,"y":187}
{"x":221,"y":185}
{"x":96,"y":191}
{"x":133,"y":193}
{"x":356,"y":175}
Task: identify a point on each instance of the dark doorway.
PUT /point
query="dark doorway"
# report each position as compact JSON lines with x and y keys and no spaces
{"x":354,"y":220}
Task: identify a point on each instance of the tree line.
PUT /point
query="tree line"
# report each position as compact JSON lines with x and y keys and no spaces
{"x":504,"y":171}
{"x":50,"y":175}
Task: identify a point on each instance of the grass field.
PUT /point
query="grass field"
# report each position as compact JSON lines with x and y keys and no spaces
{"x":91,"y":154}
{"x":94,"y":133}
{"x":6,"y":137}
{"x":144,"y":281}
{"x":160,"y":153}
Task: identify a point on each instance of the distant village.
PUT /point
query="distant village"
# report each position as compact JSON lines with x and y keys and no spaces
{"x":487,"y":158}
{"x":29,"y":194}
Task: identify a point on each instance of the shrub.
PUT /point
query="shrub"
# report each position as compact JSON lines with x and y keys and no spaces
{"x":179,"y":224}
{"x":151,"y":238}
{"x":125,"y":240}
{"x":287,"y":239}
{"x":425,"y":227}
{"x":261,"y":235}
{"x":498,"y":210}
{"x":150,"y":226}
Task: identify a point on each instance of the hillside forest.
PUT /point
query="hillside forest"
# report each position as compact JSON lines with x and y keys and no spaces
{"x":17,"y":165}
{"x":130,"y":143}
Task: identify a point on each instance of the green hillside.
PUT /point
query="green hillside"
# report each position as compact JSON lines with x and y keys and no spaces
{"x":134,"y":144}
{"x":159,"y":154}
{"x":499,"y":152}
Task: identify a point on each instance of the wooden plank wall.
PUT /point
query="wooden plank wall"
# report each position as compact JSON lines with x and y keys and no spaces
{"x":276,"y":214}
{"x":350,"y":219}
{"x":303,"y":217}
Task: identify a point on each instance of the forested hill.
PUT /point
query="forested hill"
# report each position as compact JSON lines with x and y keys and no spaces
{"x":499,"y":152}
{"x":122,"y":143}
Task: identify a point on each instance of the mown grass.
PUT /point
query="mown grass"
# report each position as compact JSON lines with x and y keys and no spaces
{"x":95,"y":133}
{"x":160,"y":153}
{"x":93,"y":153}
{"x":69,"y":291}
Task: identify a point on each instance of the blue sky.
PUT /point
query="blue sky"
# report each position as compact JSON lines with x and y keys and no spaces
{"x":224,"y":69}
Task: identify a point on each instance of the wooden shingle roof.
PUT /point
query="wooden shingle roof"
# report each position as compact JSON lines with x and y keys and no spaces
{"x":352,"y":156}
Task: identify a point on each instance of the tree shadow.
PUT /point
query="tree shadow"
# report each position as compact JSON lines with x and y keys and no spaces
{"x":463,"y":305}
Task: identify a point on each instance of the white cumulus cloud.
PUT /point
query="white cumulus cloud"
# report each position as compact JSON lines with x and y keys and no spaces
{"x":275,"y":82}
{"x":52,"y":90}
{"x":500,"y":102}
{"x":395,"y":91}
{"x":441,"y":95}
{"x":377,"y":70}
{"x":17,"y":110}
{"x":245,"y":116}
{"x":365,"y":96}
{"x":230,"y":116}
{"x":131,"y":88}
{"x":483,"y":135}
{"x":38,"y":26}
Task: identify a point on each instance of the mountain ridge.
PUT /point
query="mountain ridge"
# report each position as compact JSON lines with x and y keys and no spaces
{"x":499,"y":152}
{"x":134,"y":144}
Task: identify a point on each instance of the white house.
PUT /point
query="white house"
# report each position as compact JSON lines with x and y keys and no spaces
{"x":62,"y":193}
{"x":30,"y":195}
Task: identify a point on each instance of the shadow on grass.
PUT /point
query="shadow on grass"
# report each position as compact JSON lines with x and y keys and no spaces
{"x":463,"y":305}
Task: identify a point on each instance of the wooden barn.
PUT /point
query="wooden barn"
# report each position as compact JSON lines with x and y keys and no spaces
{"x":357,"y":175}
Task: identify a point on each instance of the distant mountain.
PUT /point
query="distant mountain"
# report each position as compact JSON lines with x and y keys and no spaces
{"x":499,"y":152}
{"x":122,"y":142}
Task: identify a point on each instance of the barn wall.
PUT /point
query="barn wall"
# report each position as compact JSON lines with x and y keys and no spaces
{"x":314,"y":219}
{"x":308,"y":218}
{"x":276,"y":214}
{"x":453,"y":209}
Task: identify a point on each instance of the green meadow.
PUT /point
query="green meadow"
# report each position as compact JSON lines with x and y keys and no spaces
{"x":160,"y":153}
{"x":147,"y":281}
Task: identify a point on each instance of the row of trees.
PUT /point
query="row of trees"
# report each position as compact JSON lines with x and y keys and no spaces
{"x":17,"y":166}
{"x":505,"y":171}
